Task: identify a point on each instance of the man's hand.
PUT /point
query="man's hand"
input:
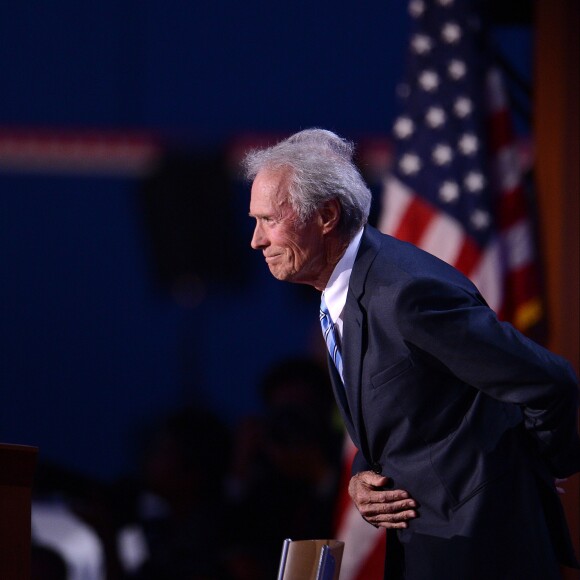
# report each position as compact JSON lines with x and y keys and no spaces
{"x":381,"y":508}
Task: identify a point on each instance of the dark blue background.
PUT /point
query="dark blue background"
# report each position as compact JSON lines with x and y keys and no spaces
{"x":89,"y":349}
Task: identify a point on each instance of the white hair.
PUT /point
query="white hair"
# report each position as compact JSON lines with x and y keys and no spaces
{"x":320,"y":167}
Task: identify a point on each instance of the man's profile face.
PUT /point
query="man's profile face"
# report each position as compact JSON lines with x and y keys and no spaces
{"x":293,"y":251}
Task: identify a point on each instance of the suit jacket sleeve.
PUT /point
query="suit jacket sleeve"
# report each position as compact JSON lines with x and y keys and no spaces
{"x":456,"y":327}
{"x":359,"y":464}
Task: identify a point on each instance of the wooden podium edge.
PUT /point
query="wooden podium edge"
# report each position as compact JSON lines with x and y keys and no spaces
{"x":18,"y":464}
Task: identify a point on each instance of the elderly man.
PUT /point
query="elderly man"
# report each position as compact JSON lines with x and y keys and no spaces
{"x":461,"y":422}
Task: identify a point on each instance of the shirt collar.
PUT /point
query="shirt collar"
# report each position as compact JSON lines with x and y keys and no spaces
{"x":337,"y":288}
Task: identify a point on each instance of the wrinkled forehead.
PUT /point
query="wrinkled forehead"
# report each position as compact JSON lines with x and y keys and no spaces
{"x":270,"y":186}
{"x":280,"y":176}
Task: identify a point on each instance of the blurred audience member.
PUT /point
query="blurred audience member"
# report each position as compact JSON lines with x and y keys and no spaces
{"x":56,"y":527}
{"x":177,"y":520}
{"x":181,"y":509}
{"x":285,"y":472}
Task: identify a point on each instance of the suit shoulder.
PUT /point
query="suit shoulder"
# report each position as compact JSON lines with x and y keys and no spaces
{"x":401,"y":262}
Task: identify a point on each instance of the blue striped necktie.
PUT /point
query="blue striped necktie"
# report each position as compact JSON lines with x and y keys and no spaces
{"x":330,"y":336}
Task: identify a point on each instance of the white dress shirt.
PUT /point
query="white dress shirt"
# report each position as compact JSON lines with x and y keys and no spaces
{"x":337,"y":288}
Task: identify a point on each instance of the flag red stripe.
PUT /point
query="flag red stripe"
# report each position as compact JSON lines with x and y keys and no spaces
{"x":468,"y":257}
{"x":500,"y":130}
{"x":372,"y":568}
{"x":512,"y":207}
{"x":415,"y":221}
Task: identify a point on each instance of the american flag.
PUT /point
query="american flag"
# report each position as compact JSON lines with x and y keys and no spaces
{"x":457,"y":184}
{"x":456,"y":190}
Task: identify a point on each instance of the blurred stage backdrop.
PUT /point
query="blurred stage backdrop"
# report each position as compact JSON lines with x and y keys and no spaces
{"x":128,"y":284}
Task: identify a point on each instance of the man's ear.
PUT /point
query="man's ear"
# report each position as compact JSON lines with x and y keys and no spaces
{"x":330,"y":213}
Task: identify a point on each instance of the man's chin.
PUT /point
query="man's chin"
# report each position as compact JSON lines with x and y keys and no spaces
{"x":282,"y":275}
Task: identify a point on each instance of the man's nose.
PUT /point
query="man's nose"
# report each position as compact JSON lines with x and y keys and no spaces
{"x":258,"y":238}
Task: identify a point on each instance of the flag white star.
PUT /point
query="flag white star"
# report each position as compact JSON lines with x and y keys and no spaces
{"x":463,"y":107}
{"x":435,"y":117}
{"x":451,"y":32}
{"x":442,"y":154}
{"x":456,"y":69}
{"x":429,"y":80}
{"x":421,"y":43}
{"x":480,"y":219}
{"x":403,"y":127}
{"x":416,"y":8}
{"x":410,"y":164}
{"x":468,"y":144}
{"x":449,"y":192}
{"x":474,"y":181}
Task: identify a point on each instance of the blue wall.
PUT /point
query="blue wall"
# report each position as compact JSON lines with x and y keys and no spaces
{"x":211,"y":69}
{"x":90,"y":350}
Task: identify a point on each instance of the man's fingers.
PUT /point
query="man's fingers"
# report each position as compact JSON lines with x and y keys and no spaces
{"x":392,"y":521}
{"x":391,"y":496}
{"x":380,"y":507}
{"x":385,"y":501}
{"x":392,"y":515}
{"x":396,"y":506}
{"x":394,"y":510}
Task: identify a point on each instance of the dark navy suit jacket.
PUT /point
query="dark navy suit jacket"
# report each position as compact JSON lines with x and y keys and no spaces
{"x":444,"y":399}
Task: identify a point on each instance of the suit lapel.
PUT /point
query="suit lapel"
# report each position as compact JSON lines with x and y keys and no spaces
{"x":341,"y":399}
{"x":354,"y":331}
